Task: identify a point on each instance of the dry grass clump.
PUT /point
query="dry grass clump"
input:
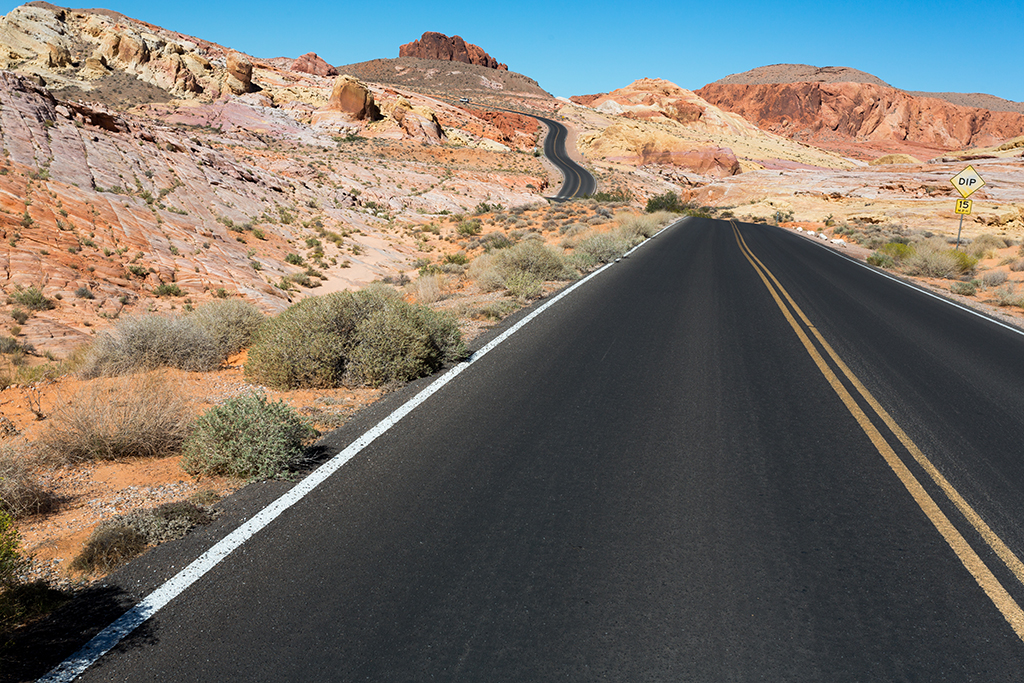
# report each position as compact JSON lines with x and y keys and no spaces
{"x":428,"y":288}
{"x":984,"y":245}
{"x":20,"y":493}
{"x":933,"y":258}
{"x":108,"y":547}
{"x":367,"y":337}
{"x":152,"y":341}
{"x":137,"y":417}
{"x":521,"y":269}
{"x":632,"y":225}
{"x":1008,"y":295}
{"x":994,"y":278}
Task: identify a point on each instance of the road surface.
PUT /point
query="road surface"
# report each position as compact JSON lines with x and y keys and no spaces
{"x":734,"y":455}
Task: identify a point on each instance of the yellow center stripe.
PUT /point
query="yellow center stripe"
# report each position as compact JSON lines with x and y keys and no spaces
{"x":970,"y":559}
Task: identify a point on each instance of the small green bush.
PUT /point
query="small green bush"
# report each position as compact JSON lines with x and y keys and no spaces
{"x":152,"y":341}
{"x":665,"y":202}
{"x":524,"y":285}
{"x":965,"y":263}
{"x":533,"y":257}
{"x":881,"y":260}
{"x":231,"y":323}
{"x":108,"y":547}
{"x":294,"y":259}
{"x":248,"y":437}
{"x":84,"y":293}
{"x":19,"y":316}
{"x":602,"y":247}
{"x":963,"y":288}
{"x":31,"y":298}
{"x":469,"y":228}
{"x":1007,"y":295}
{"x":168,"y":289}
{"x":897,"y":250}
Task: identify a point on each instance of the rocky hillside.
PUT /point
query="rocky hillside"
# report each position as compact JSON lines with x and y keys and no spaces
{"x":655,"y":122}
{"x":857,"y":114}
{"x":450,"y":49}
{"x":145,"y":170}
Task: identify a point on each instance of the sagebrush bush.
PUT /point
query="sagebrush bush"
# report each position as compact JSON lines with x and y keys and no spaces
{"x":247,"y":437}
{"x":152,"y":341}
{"x":1007,"y":295}
{"x":640,"y":226}
{"x":881,"y":260}
{"x":231,"y":323}
{"x":428,"y":288}
{"x":20,"y":493}
{"x":327,"y":341}
{"x":533,"y":257}
{"x":983,"y":245}
{"x":669,"y":201}
{"x":142,"y":416}
{"x":932,"y":258}
{"x":899,"y":251}
{"x":1017,"y":266}
{"x":602,"y":247}
{"x":31,"y":298}
{"x":484,"y":271}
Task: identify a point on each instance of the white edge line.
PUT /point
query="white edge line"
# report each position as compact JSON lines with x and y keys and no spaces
{"x":915,"y":287}
{"x":109,"y":637}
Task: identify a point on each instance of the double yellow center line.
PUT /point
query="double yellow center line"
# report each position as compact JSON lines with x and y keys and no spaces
{"x":970,"y":559}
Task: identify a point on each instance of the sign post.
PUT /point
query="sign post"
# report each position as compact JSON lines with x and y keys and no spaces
{"x":966,"y":182}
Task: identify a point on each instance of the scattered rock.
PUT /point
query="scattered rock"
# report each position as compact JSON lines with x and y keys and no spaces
{"x":311,"y":63}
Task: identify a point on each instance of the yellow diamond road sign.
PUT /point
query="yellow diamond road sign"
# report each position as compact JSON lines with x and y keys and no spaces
{"x":967,"y":182}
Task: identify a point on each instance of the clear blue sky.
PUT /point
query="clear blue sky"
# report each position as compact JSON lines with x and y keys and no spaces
{"x":579,"y":48}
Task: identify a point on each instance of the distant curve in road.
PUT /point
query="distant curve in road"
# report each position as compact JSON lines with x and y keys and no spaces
{"x":578,"y":182}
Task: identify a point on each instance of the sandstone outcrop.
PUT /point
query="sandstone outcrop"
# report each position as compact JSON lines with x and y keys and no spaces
{"x":311,"y":63}
{"x":239,"y":73}
{"x":418,"y":124}
{"x":842,"y":116}
{"x":434,"y":45}
{"x":350,"y":101}
{"x":629,"y":142}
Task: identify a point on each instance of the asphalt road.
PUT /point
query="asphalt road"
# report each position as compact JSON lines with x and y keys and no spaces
{"x":578,"y":182}
{"x":660,"y":478}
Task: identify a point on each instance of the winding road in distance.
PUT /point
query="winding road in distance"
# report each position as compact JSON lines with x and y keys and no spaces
{"x":578,"y":182}
{"x":734,"y":455}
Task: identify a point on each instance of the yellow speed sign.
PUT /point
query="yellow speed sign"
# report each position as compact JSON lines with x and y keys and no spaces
{"x":963,"y":206}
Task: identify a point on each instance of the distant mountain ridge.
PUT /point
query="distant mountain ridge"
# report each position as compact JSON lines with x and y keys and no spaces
{"x":805,"y":73}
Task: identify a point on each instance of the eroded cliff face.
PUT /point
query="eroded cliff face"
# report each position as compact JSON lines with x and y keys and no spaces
{"x":434,"y":45}
{"x":877,"y":118}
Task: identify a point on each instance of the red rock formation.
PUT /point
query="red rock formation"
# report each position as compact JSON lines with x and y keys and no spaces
{"x":311,"y":63}
{"x":349,"y":96}
{"x":439,"y":46}
{"x":834,"y":115}
{"x":510,"y":125}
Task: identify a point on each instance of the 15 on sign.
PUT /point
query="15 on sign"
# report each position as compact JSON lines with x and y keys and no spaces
{"x":967,"y":182}
{"x":963,"y":206}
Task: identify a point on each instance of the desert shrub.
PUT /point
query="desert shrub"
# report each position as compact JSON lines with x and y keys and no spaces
{"x":167,"y":289}
{"x":485,"y":272}
{"x":248,"y":437}
{"x":19,"y":316}
{"x":531,"y":256}
{"x":994,"y":278}
{"x":31,"y":298}
{"x":111,"y":545}
{"x":20,"y":494}
{"x":602,"y":247}
{"x":231,"y":323}
{"x":311,"y":343}
{"x":1017,"y":266}
{"x":665,"y":202}
{"x":495,"y":240}
{"x":427,"y":289}
{"x":963,"y":288}
{"x":1007,"y":295}
{"x":84,"y":293}
{"x":141,"y":416}
{"x":881,"y":260}
{"x":932,"y":258}
{"x":498,"y":309}
{"x":524,"y":285}
{"x":152,"y":341}
{"x":458,"y":258}
{"x":899,"y":251}
{"x":983,"y":245}
{"x":166,"y":522}
{"x":639,"y":226}
{"x":782,"y":216}
{"x":11,"y":561}
{"x":469,"y":228}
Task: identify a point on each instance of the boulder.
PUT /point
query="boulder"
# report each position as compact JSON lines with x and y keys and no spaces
{"x":349,"y":96}
{"x":239,"y":73}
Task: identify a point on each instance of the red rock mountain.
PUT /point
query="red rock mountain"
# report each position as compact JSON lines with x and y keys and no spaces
{"x":454,"y":49}
{"x":859,"y":118}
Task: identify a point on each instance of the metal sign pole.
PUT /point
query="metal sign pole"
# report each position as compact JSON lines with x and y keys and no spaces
{"x":958,"y":231}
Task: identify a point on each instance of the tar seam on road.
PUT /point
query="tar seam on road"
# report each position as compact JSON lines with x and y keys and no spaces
{"x":110,"y":636}
{"x":1003,"y":601}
